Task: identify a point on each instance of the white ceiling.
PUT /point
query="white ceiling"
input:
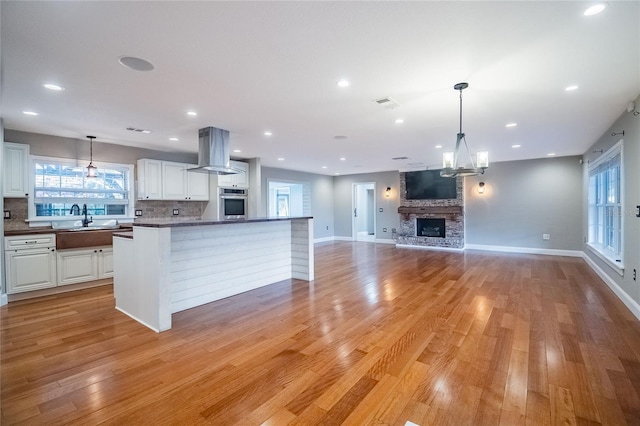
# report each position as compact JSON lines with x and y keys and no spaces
{"x":254,"y":66}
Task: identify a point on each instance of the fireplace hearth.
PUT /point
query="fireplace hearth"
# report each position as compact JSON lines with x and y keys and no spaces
{"x":427,"y":227}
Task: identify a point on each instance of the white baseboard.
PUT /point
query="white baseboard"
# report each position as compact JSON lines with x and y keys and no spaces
{"x":633,"y":306}
{"x":133,"y":317}
{"x":342,"y":238}
{"x":459,"y":250}
{"x":528,"y":250}
{"x":323,"y":240}
{"x":3,"y":299}
{"x":385,"y":241}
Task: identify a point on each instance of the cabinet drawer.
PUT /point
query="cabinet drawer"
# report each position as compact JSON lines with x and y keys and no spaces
{"x":22,"y":242}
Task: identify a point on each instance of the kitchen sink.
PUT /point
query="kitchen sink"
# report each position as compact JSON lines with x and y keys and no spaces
{"x":83,"y":237}
{"x":76,"y":225}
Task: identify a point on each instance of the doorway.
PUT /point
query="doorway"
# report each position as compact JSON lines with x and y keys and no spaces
{"x":363,"y":212}
{"x":289,"y":199}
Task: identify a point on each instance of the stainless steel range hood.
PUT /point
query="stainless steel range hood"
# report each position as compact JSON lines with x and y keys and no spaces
{"x":213,"y":152}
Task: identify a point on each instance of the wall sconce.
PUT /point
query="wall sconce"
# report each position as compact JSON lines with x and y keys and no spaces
{"x":481,"y":188}
{"x":387,"y":193}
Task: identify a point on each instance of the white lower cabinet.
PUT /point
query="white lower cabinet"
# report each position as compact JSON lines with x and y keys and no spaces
{"x":80,"y":265}
{"x":30,"y":270}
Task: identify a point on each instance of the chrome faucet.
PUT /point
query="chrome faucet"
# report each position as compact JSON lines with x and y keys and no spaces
{"x":85,"y":221}
{"x":75,"y":210}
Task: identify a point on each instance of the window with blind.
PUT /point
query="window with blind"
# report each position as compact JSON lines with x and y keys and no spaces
{"x":59,"y":184}
{"x":605,"y":205}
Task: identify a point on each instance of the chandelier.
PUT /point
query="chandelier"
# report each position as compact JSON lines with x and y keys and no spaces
{"x":450,"y":159}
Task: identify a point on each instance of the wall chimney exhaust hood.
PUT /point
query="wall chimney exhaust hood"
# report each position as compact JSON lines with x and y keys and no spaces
{"x":213,"y":152}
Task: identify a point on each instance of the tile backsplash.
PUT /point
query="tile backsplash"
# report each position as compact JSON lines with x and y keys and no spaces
{"x":150,"y":210}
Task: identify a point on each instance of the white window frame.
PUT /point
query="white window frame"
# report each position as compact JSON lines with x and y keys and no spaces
{"x":598,"y":240}
{"x":48,"y":220}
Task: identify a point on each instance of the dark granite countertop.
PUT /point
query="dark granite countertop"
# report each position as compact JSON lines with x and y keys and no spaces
{"x":50,"y":230}
{"x":172,"y":223}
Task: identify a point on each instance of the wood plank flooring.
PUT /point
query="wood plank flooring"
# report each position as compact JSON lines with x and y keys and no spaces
{"x":382,"y":336}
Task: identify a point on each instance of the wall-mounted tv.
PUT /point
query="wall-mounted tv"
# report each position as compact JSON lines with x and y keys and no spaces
{"x":429,"y":185}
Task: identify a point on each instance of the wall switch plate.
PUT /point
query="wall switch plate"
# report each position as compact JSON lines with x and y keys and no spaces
{"x":546,"y":236}
{"x":327,"y":227}
{"x":176,"y":212}
{"x":138,"y":213}
{"x":7,"y":214}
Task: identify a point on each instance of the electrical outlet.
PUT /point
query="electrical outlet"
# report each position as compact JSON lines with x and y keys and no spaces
{"x":384,"y":229}
{"x":546,"y":236}
{"x":7,"y":214}
{"x":176,"y":212}
{"x":138,"y":213}
{"x":380,"y":210}
{"x":393,"y":229}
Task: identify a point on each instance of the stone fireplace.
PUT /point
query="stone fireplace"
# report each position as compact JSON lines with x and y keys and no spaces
{"x":431,"y":223}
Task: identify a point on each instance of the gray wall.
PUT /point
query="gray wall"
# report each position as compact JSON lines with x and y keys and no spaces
{"x":630,"y":124}
{"x":55,"y":146}
{"x":343,"y":195}
{"x":321,"y":197}
{"x":523,"y":200}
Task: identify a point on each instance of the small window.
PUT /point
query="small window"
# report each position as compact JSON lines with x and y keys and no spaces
{"x":59,"y":184}
{"x":605,"y":205}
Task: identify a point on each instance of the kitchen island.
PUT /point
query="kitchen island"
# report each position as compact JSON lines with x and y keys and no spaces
{"x":167,"y":266}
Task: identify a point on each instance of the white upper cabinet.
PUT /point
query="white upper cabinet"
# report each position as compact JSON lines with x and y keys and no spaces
{"x":239,"y":180}
{"x":167,"y":180}
{"x":197,"y":185}
{"x":149,"y":179}
{"x":174,"y":181}
{"x":15,"y":170}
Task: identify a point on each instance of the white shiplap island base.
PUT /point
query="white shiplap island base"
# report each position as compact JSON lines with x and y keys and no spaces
{"x":163,"y":267}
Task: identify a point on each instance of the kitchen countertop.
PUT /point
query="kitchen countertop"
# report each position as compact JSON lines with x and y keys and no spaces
{"x":171,"y":223}
{"x":50,"y":230}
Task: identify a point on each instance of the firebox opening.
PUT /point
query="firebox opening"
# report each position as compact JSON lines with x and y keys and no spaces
{"x":430,"y":228}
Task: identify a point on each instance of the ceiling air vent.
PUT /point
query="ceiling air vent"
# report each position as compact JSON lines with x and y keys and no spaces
{"x":134,"y":129}
{"x":400,"y":158}
{"x":387,"y":103}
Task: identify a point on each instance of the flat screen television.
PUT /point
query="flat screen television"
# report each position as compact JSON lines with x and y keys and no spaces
{"x":429,"y":185}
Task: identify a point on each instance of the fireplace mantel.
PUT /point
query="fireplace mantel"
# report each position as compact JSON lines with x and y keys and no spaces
{"x":430,"y":210}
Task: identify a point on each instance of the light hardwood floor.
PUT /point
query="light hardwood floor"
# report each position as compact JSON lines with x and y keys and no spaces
{"x":382,"y":336}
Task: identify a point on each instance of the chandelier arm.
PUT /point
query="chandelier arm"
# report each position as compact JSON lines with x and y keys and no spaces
{"x":473,"y":164}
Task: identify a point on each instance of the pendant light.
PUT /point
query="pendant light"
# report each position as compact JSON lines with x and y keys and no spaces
{"x":450,"y":159}
{"x":92,"y":171}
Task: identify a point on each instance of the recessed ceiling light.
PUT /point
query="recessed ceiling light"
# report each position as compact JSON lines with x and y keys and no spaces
{"x":515,"y":146}
{"x":174,"y":139}
{"x":343,"y":83}
{"x":53,"y":87}
{"x":192,"y":113}
{"x":551,"y":154}
{"x":136,"y":64}
{"x":146,"y":131}
{"x":237,"y":150}
{"x":280,"y":158}
{"x":268,"y":133}
{"x":399,"y":120}
{"x":339,"y":137}
{"x":324,"y":167}
{"x":571,"y":88}
{"x":511,"y":125}
{"x":336,"y":173}
{"x":595,"y":9}
{"x":30,"y":113}
{"x":438,"y":146}
{"x":343,"y":159}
